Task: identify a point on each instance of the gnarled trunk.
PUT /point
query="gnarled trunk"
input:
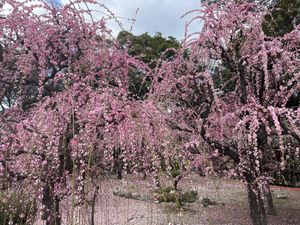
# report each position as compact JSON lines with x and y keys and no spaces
{"x":94,"y":205}
{"x":118,"y":162}
{"x":50,"y":202}
{"x":271,"y":207}
{"x":257,"y":208}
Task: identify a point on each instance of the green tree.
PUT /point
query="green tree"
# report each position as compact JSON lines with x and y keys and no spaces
{"x":148,"y":49}
{"x":283,"y":19}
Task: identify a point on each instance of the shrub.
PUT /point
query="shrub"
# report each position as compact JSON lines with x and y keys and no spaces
{"x":16,"y":208}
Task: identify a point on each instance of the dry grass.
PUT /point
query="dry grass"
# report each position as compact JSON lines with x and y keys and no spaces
{"x":232,"y":207}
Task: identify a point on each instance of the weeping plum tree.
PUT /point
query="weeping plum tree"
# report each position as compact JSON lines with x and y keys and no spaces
{"x":233,"y":92}
{"x":65,"y":107}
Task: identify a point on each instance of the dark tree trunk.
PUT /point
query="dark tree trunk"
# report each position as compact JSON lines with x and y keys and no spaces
{"x":157,"y":180}
{"x":144,"y":175}
{"x":257,"y":208}
{"x":94,"y":204}
{"x":119,"y":171}
{"x":51,"y":207}
{"x":176,"y":182}
{"x":271,"y":207}
{"x":118,"y":163}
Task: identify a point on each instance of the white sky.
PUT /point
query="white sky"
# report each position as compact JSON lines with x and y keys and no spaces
{"x":153,"y":15}
{"x":156,"y":15}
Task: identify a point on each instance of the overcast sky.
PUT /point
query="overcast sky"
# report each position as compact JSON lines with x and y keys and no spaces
{"x":153,"y":15}
{"x":156,"y":15}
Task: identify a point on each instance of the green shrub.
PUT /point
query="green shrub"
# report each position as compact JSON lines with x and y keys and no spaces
{"x":16,"y":208}
{"x":169,"y":194}
{"x":189,"y":196}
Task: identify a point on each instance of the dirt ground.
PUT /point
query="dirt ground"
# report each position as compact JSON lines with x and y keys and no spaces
{"x":231,"y":208}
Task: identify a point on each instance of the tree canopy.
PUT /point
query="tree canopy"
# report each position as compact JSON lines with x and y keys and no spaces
{"x":283,"y":18}
{"x":150,"y":50}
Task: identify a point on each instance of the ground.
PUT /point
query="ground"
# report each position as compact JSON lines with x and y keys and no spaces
{"x":231,"y":208}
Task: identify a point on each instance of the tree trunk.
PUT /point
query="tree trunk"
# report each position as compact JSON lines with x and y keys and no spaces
{"x":176,"y":182}
{"x":118,"y":163}
{"x":257,"y":209}
{"x":271,"y":207}
{"x":157,"y":180}
{"x":51,"y":207}
{"x":93,"y":205}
